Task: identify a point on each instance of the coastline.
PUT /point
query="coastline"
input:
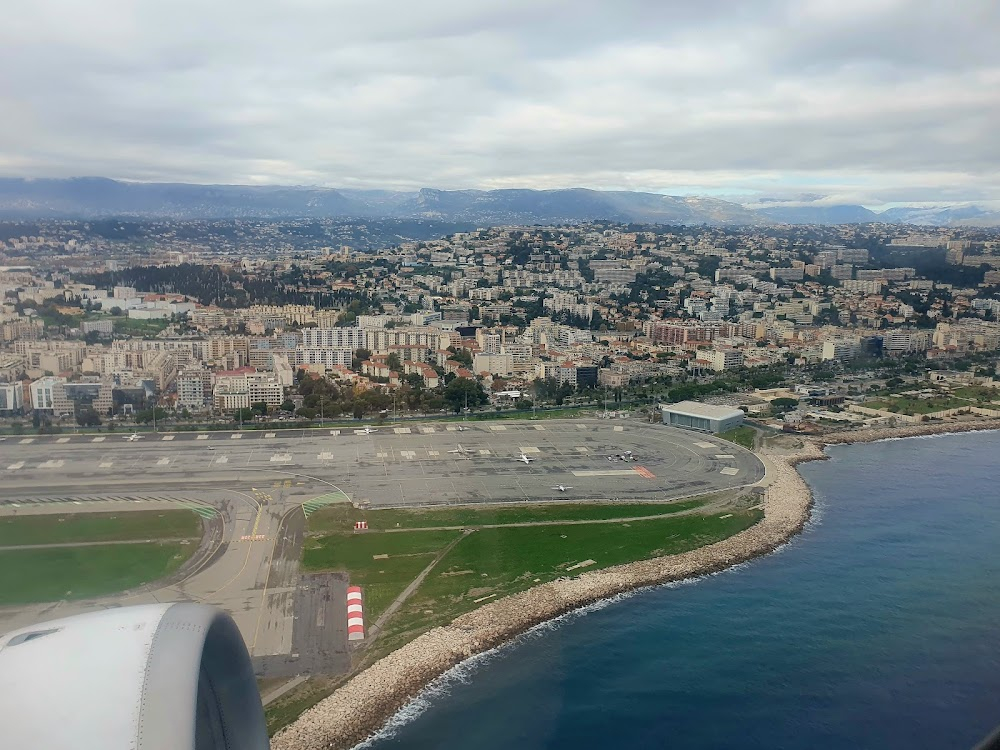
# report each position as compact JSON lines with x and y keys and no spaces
{"x":361,"y":707}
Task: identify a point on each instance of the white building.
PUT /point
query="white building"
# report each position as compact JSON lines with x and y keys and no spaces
{"x":333,"y":338}
{"x":692,"y":415}
{"x":43,"y":393}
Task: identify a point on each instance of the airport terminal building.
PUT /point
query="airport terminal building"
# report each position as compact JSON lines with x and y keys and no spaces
{"x":691,"y":415}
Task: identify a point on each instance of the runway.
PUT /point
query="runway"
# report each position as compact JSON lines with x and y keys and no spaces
{"x":254,"y":484}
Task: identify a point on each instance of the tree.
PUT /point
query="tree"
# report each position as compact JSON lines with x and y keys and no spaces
{"x":87,"y":417}
{"x":784,"y":404}
{"x":306,"y":412}
{"x":393,"y":362}
{"x":464,"y":390}
{"x":288,"y":405}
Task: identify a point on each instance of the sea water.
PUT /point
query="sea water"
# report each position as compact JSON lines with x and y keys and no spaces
{"x":878,"y":627}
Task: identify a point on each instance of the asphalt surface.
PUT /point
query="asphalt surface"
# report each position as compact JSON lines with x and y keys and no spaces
{"x":253,"y":485}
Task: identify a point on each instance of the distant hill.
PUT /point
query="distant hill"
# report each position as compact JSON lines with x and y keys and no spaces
{"x":97,"y":197}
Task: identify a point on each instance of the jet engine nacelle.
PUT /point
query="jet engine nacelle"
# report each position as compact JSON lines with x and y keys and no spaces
{"x":150,"y":677}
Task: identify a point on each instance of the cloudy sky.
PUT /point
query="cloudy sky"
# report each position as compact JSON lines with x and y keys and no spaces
{"x":872,"y":101}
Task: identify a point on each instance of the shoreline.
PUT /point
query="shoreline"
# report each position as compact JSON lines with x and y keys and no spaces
{"x":360,"y":708}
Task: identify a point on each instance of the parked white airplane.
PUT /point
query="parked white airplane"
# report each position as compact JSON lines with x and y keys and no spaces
{"x":460,"y":428}
{"x":524,"y":459}
{"x":369,"y":430}
{"x":461,"y":451}
{"x":626,"y":456}
{"x":133,"y":437}
{"x":562,"y":487}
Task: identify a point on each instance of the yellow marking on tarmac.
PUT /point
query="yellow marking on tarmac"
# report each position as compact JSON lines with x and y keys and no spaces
{"x":263,"y":594}
{"x":256,"y":522}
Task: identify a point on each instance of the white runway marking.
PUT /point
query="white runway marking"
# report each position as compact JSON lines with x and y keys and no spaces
{"x":705,"y":445}
{"x":433,"y":453}
{"x":15,"y":467}
{"x":409,"y":455}
{"x":202,"y":437}
{"x":167,"y":438}
{"x":63,"y":440}
{"x":498,"y":428}
{"x":724,"y":455}
{"x":222,"y":460}
{"x":163,"y":461}
{"x":582,"y":449}
{"x":51,"y":464}
{"x":98,"y":440}
{"x":381,"y":455}
{"x":730,"y":471}
{"x":105,"y":464}
{"x":427,"y":430}
{"x":539,"y":427}
{"x":332,"y":432}
{"x":581,"y":427}
{"x":401,"y":430}
{"x":325,"y":456}
{"x":451,"y":428}
{"x":483,"y":452}
{"x":605,"y":473}
{"x":27,"y":441}
{"x":619,"y":428}
{"x":282,"y":457}
{"x":236,"y":436}
{"x":269,"y":434}
{"x":529,"y":449}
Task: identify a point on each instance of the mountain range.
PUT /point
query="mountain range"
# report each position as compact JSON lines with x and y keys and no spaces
{"x":97,"y":197}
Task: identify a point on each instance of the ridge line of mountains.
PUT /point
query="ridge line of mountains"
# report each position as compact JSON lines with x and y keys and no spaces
{"x":98,"y":197}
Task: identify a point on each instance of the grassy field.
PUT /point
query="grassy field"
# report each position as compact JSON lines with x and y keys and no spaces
{"x":977,"y":394}
{"x":741,"y":436}
{"x":342,"y":517}
{"x":99,"y":527}
{"x":382,"y":578}
{"x":140,"y":327}
{"x":494,"y":563}
{"x":46,"y":575}
{"x":911,"y":406}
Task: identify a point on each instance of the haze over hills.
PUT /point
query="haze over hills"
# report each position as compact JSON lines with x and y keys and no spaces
{"x":95,"y":197}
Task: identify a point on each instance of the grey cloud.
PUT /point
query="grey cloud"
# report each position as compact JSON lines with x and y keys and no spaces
{"x":867,"y":99}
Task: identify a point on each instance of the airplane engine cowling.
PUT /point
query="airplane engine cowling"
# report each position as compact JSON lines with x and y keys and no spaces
{"x":150,"y":677}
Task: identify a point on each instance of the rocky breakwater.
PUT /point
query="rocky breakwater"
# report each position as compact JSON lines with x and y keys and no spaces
{"x":362,"y":706}
{"x":871,"y":434}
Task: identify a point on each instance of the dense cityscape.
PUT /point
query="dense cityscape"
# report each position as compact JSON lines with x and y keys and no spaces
{"x":805,"y":327}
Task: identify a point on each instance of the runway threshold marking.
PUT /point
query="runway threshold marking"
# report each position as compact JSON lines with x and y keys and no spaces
{"x":605,"y":473}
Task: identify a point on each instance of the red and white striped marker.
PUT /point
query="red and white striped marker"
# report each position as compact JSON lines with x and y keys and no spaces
{"x":355,"y":614}
{"x":360,"y":525}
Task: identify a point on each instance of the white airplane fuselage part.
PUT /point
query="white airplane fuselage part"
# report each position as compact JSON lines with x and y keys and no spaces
{"x":524,"y":459}
{"x":562,"y":487}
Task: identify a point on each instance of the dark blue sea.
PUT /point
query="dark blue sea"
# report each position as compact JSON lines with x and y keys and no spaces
{"x":878,"y":627}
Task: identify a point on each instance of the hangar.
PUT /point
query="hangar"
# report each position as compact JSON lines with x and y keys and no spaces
{"x":692,"y":415}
